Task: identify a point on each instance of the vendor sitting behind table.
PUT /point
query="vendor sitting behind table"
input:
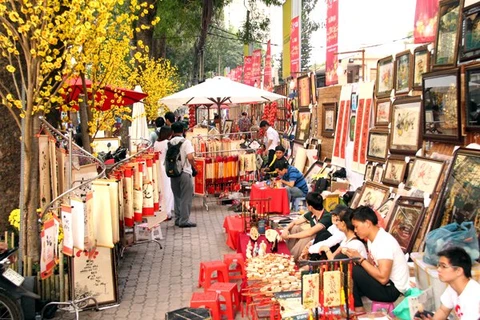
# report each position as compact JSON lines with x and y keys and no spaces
{"x":269,"y":169}
{"x":296,"y":236}
{"x":293,"y":179}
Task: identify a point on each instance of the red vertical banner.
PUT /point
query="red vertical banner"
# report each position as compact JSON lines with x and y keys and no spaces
{"x":267,"y":73}
{"x":247,"y":70}
{"x":425,"y":27}
{"x":295,"y":47}
{"x":257,"y":67}
{"x":331,"y":62}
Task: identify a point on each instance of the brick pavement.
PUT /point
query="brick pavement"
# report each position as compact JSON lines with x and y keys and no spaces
{"x":152,"y":281}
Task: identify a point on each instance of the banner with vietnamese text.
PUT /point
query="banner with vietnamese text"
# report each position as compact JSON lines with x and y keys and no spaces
{"x":247,"y":70}
{"x":425,"y":28}
{"x":267,"y":71}
{"x":331,"y":62}
{"x":295,"y":47}
{"x":257,"y":67}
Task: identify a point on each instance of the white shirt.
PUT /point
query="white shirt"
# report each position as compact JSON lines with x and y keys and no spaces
{"x":185,"y":149}
{"x":386,"y":247}
{"x":356,"y":245}
{"x":161,"y":147}
{"x":467,"y":304}
{"x":272,"y":134}
{"x":336,"y":237}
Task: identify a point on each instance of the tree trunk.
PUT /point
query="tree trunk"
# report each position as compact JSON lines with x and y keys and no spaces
{"x":30,"y":236}
{"x":207,"y":12}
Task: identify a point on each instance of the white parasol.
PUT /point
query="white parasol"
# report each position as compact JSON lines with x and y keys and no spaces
{"x":139,"y":126}
{"x":218,"y":91}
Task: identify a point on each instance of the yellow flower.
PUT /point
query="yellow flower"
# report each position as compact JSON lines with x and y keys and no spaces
{"x":10,"y":68}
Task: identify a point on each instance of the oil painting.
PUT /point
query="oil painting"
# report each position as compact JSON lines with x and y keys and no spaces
{"x":460,"y":200}
{"x":403,"y":72}
{"x":421,"y":64}
{"x":404,"y":224}
{"x":302,"y":131}
{"x":394,"y":171}
{"x":470,"y":42}
{"x":385,"y":70}
{"x":377,"y":145}
{"x":382,"y":112}
{"x":404,"y":137}
{"x":373,"y":195}
{"x":447,"y":33}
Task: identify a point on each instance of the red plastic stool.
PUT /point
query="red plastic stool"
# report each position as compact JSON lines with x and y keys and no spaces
{"x":229,"y":292}
{"x":205,"y":277}
{"x":236,"y":265}
{"x":388,"y":306}
{"x":208,"y":300}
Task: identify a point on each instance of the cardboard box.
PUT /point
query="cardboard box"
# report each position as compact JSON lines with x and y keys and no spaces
{"x":426,"y":276}
{"x":339,"y":185}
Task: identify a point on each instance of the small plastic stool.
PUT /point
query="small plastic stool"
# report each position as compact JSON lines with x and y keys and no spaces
{"x":297,"y":202}
{"x":378,"y":306}
{"x":207,"y":268}
{"x":208,"y":300}
{"x":231,"y":298}
{"x":236,"y":265}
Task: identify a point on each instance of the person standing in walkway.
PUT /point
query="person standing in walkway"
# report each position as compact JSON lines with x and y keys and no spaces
{"x":165,"y":188}
{"x":182,"y":186}
{"x":384,"y":275}
{"x":159,"y":122}
{"x":169,"y":118}
{"x":244,"y":123}
{"x":271,"y":137}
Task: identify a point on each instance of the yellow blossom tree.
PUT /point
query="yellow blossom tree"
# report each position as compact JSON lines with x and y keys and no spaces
{"x":45,"y":43}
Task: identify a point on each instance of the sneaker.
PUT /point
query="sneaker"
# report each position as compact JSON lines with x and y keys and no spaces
{"x":188,"y":225}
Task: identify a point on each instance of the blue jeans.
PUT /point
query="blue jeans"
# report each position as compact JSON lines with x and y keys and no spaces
{"x":293,"y":193}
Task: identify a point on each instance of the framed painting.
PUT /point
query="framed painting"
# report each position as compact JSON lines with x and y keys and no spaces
{"x":404,"y":224}
{"x":403,"y":72}
{"x":373,"y":195}
{"x":329,"y":119}
{"x":460,"y":199}
{"x":385,"y":209}
{"x":421,"y":64}
{"x":382,"y":112}
{"x":356,"y":198}
{"x":472,"y":104}
{"x":424,"y":174}
{"x":314,"y":170}
{"x":105,"y":144}
{"x":228,"y":126}
{"x":440,"y":108}
{"x":405,"y":125}
{"x":313,"y":87}
{"x":385,"y":73}
{"x":394,"y":172}
{"x":94,"y":274}
{"x":448,"y":32}
{"x":354,"y":101}
{"x":377,"y":145}
{"x":378,"y":173}
{"x":353,"y":120}
{"x":304,"y":87}
{"x":470,"y":41}
{"x":369,"y":169}
{"x":302,"y":132}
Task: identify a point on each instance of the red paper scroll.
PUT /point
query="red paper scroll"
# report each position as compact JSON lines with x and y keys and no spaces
{"x":425,"y":21}
{"x":295,"y":47}
{"x":256,"y":67}
{"x":331,"y":62}
{"x":267,"y":75}
{"x":247,"y":70}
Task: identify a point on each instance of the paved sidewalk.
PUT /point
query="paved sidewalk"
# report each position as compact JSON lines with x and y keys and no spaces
{"x":152,"y":281}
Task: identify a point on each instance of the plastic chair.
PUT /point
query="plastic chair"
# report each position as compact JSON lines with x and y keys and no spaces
{"x":236,"y":265}
{"x":230,"y":297}
{"x":207,"y":268}
{"x":208,"y":300}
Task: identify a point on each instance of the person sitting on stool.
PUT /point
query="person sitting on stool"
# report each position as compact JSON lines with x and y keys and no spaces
{"x":293,"y":179}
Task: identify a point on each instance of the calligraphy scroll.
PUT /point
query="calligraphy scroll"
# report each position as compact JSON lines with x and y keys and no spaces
{"x":113,"y":197}
{"x":67,"y":224}
{"x":52,"y":159}
{"x":128,"y":196}
{"x":362,"y":126}
{"x":340,"y":141}
{"x":310,"y":290}
{"x":332,"y":287}
{"x":44,"y":167}
{"x":156,"y":182}
{"x":102,"y":215}
{"x":147,"y":189}
{"x":49,"y":241}
{"x":90,"y":239}
{"x":138,"y":191}
{"x":78,"y":223}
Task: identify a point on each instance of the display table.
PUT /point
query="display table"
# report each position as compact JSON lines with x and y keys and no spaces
{"x":233,"y":226}
{"x":243,"y":239}
{"x":278,"y":198}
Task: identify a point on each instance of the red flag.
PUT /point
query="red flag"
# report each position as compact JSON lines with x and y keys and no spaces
{"x":247,"y":70}
{"x":257,"y":67}
{"x":267,"y":73}
{"x":331,"y":62}
{"x":294,"y":47}
{"x":425,"y":21}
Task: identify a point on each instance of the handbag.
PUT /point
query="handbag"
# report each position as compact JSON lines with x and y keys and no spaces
{"x":452,"y":235}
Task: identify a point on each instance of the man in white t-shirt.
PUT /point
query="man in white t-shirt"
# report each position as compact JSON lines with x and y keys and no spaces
{"x":384,"y":275}
{"x":182,"y":186}
{"x":273,"y":140}
{"x":463,"y":293}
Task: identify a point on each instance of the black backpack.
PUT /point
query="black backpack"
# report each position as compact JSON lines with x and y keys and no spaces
{"x":173,"y":161}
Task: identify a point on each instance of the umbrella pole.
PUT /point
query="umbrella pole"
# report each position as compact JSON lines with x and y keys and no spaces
{"x":220,"y":115}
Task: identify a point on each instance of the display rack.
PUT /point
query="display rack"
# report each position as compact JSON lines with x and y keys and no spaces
{"x":209,"y":182}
